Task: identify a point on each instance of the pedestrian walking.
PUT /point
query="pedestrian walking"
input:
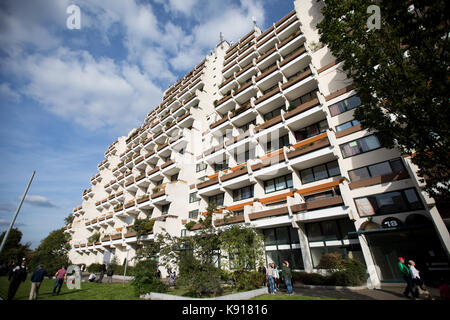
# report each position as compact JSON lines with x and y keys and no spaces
{"x":110,"y":273}
{"x":36,"y":279}
{"x":287,"y":276}
{"x":16,"y":276}
{"x":404,"y":270}
{"x":102,"y":272}
{"x":60,"y":275}
{"x":270,"y":278}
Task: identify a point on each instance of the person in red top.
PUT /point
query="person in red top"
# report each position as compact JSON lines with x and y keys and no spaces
{"x":60,"y":276}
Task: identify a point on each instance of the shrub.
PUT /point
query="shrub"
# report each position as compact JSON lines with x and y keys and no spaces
{"x":190,"y":224}
{"x":331,"y":261}
{"x":145,"y":278}
{"x":247,"y":280}
{"x":94,"y":267}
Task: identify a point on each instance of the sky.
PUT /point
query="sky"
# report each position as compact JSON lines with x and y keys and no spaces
{"x":67,"y":94}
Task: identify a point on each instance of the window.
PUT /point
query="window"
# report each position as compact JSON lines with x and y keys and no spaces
{"x":387,"y":203}
{"x":201,"y":166}
{"x":245,"y":156}
{"x":319,"y":196}
{"x":174,"y":177}
{"x":193,"y":214}
{"x":377,"y":169}
{"x":320,"y":172}
{"x":329,"y":230}
{"x":277,"y":184}
{"x":345,"y":105}
{"x":216,"y":200}
{"x":347,"y":125}
{"x":158,"y":183}
{"x":362,"y":145}
{"x":303,"y":99}
{"x":220,"y":166}
{"x":165,"y":209}
{"x":270,"y":89}
{"x":311,"y":131}
{"x":282,"y":141}
{"x":246,"y":126}
{"x":243,"y":193}
{"x":274,"y":113}
{"x":193,"y":197}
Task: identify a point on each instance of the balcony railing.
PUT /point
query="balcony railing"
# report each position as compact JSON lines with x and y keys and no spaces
{"x":319,"y":142}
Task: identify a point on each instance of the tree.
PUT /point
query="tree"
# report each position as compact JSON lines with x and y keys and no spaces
{"x":13,"y":249}
{"x":401,"y":74}
{"x":52,"y":252}
{"x":69,"y":219}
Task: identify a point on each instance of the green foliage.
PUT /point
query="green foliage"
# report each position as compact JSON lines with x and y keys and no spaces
{"x":331,"y":261}
{"x":94,"y":267}
{"x":52,"y":252}
{"x":13,"y":249}
{"x":244,"y":246}
{"x":69,"y":219}
{"x":145,"y":278}
{"x":94,"y":238}
{"x":401,"y":75}
{"x":247,"y":280}
{"x":190,"y":224}
{"x":142,"y":226}
{"x":345,"y":272}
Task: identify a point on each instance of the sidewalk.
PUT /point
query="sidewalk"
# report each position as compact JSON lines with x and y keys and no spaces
{"x":388,"y":292}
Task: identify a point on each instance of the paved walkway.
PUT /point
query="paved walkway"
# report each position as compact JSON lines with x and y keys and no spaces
{"x":389,"y":292}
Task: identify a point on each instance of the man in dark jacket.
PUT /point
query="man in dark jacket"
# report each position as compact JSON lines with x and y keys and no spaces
{"x":287,"y":276}
{"x":16,"y":276}
{"x":36,"y":280}
{"x":102,"y":272}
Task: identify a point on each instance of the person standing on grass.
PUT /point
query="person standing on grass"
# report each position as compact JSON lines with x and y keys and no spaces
{"x":102,"y":272}
{"x":110,"y":273}
{"x":287,"y":276}
{"x":16,"y":276}
{"x":270,"y":278}
{"x":404,"y":270}
{"x":276,"y":276}
{"x":60,"y":275}
{"x":36,"y":280}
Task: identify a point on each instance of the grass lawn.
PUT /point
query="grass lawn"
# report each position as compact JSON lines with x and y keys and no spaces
{"x":88,"y":291}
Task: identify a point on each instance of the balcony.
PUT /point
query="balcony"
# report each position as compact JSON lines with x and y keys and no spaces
{"x":153,"y":173}
{"x":219,"y":122}
{"x":141,"y":181}
{"x":308,"y":112}
{"x":269,"y":123}
{"x":228,"y":85}
{"x":395,"y":176}
{"x":299,"y":85}
{"x":292,"y":26}
{"x":185,"y":121}
{"x":229,"y":220}
{"x":244,"y":93}
{"x":159,"y":196}
{"x":237,"y":178}
{"x":144,"y":202}
{"x":269,"y":213}
{"x":130,"y":208}
{"x":310,"y":152}
{"x":130,"y":186}
{"x":270,"y":99}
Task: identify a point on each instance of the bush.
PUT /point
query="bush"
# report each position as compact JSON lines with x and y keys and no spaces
{"x":145,"y":278}
{"x":248,"y":280}
{"x":310,"y":278}
{"x":94,"y":267}
{"x":331,"y":261}
{"x":190,"y":224}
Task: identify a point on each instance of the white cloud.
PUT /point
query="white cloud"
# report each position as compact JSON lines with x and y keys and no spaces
{"x":94,"y":93}
{"x":7,"y":93}
{"x":39,"y":201}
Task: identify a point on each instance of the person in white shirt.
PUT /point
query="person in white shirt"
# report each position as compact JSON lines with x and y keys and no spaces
{"x":415,"y":274}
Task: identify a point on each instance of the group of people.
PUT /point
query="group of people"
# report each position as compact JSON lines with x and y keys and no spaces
{"x":18,"y":274}
{"x":109,"y":270}
{"x":412,"y":278}
{"x":273,"y":278}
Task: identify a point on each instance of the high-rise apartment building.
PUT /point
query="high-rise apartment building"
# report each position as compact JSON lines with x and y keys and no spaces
{"x":264,"y":129}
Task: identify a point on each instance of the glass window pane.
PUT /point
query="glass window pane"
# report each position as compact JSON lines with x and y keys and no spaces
{"x":313,"y":232}
{"x":365,"y":207}
{"x":269,"y":186}
{"x":359,"y":174}
{"x":269,"y":237}
{"x":333,"y":169}
{"x":390,"y":203}
{"x":380,"y":169}
{"x":297,"y":259}
{"x":282,"y":235}
{"x":369,"y":143}
{"x":343,"y":126}
{"x":280,"y":183}
{"x":350,"y":149}
{"x":320,"y":172}
{"x":307,"y":176}
{"x":289,"y":181}
{"x":346,"y":226}
{"x":323,"y":126}
{"x":316,"y":255}
{"x":294,"y":235}
{"x":329,"y":229}
{"x":413,"y":199}
{"x":397,"y":165}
